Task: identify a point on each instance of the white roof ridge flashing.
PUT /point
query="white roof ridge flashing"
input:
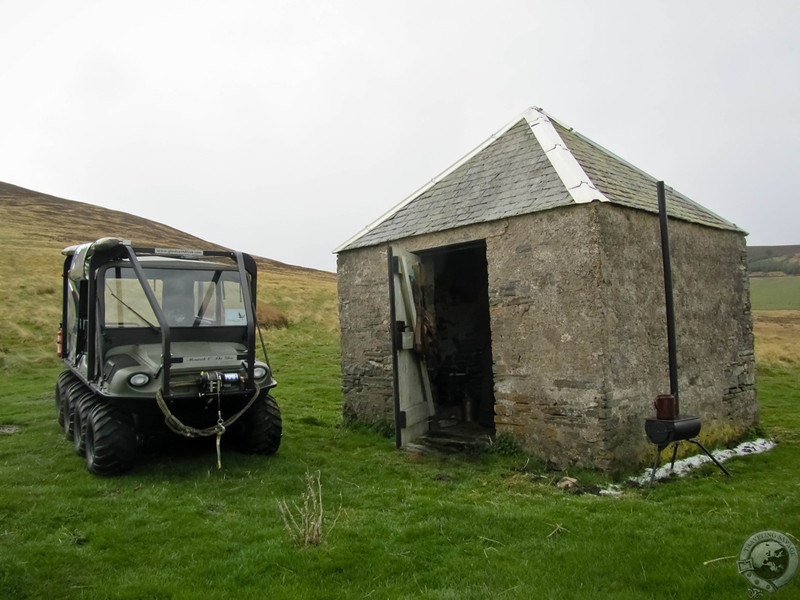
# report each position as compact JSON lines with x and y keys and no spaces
{"x":643,"y":173}
{"x":575,"y":179}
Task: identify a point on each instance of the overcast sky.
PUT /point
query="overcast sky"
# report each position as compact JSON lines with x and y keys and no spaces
{"x":282,"y":128}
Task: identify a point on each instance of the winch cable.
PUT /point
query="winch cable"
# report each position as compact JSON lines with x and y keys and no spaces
{"x":188,"y":431}
{"x":220,"y":428}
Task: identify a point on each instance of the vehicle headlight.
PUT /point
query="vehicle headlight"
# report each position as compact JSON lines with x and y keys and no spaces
{"x":259,"y":372}
{"x":139,"y":379}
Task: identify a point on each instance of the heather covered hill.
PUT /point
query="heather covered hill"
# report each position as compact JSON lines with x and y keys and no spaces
{"x":58,"y":222}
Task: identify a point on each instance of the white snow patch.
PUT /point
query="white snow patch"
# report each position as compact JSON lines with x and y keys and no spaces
{"x":684,"y":466}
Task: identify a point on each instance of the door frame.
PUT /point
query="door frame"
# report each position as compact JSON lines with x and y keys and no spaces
{"x":405,"y":358}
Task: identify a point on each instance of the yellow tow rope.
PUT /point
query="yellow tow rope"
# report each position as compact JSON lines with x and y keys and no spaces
{"x":188,"y":431}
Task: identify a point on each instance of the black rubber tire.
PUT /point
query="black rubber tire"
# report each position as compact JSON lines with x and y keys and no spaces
{"x":110,"y":440}
{"x":72,"y":392}
{"x":80,"y":415}
{"x":59,"y":403}
{"x":64,"y":380}
{"x":259,"y":430}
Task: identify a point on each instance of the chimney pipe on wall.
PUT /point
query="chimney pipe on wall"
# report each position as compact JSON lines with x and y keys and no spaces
{"x":669,"y":427}
{"x":671,"y":346}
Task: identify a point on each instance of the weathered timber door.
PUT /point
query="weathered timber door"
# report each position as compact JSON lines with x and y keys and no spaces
{"x":414,"y":408}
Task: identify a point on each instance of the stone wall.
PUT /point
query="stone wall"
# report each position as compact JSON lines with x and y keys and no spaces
{"x":546,"y":321}
{"x":365,"y":335}
{"x":716,"y":368}
{"x":579,"y":348}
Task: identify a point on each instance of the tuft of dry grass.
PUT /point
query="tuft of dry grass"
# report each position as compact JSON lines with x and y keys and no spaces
{"x":777,"y":337}
{"x":302,"y":298}
{"x":305,"y":523}
{"x":270,"y":317}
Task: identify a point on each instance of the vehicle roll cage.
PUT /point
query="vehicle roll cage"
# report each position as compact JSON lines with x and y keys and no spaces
{"x":89,"y":258}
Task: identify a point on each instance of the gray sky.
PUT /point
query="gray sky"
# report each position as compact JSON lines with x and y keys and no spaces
{"x":282,"y":128}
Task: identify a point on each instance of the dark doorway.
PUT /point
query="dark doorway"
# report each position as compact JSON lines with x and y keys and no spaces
{"x":460,"y":360}
{"x":444,"y":389}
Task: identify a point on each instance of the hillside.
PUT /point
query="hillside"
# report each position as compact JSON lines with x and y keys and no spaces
{"x":79,"y":222}
{"x":34,"y":227}
{"x":774,"y":259}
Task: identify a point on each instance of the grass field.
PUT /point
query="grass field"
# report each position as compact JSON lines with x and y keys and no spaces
{"x":777,"y":339}
{"x":775,"y":293}
{"x":396,"y":524}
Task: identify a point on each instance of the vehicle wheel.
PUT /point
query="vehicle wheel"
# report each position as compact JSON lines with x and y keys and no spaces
{"x":110,"y":440}
{"x":64,"y":417}
{"x":260,"y":428}
{"x":59,"y":402}
{"x":80,"y":414}
{"x":64,"y":380}
{"x":68,"y":400}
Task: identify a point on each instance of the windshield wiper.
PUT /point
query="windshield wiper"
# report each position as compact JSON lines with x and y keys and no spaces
{"x":133,"y":310}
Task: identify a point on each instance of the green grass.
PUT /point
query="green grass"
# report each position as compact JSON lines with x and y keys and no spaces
{"x":406,"y":525}
{"x":775,"y":293}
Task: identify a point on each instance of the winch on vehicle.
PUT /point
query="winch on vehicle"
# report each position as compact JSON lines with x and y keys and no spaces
{"x":213,"y":382}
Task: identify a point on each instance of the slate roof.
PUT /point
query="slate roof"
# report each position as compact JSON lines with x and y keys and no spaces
{"x":535,"y":163}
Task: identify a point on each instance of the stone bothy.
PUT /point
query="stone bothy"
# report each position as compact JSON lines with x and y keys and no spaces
{"x":521,"y":292}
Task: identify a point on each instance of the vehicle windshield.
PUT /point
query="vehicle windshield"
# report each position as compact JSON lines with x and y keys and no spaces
{"x":188,"y":298}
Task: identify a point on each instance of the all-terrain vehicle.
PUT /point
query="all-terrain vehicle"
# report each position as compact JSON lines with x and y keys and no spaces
{"x":159,"y":342}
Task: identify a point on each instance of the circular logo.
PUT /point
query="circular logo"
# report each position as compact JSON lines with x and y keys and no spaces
{"x":768,"y":560}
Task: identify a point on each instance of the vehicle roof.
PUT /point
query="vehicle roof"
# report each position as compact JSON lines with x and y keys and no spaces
{"x":163,"y":262}
{"x":167,"y":258}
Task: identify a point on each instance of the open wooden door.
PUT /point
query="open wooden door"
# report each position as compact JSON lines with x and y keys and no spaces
{"x":414,"y":408}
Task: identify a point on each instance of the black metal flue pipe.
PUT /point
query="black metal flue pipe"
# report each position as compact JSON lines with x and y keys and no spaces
{"x":673,"y":358}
